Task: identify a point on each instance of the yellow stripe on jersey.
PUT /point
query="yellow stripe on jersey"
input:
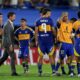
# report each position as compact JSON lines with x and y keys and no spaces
{"x":47,"y":28}
{"x":75,"y":53}
{"x":24,"y":36}
{"x":30,"y":29}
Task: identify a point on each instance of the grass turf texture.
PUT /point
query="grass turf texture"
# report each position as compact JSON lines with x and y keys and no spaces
{"x":32,"y":75}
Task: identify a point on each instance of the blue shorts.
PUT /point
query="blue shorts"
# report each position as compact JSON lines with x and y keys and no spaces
{"x":77,"y":47}
{"x":45,"y":48}
{"x":66,"y":49}
{"x":23,"y":52}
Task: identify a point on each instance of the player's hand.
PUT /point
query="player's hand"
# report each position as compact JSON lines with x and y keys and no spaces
{"x":1,"y":31}
{"x":36,"y":43}
{"x":11,"y":48}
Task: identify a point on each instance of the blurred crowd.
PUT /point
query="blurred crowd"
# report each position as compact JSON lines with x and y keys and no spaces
{"x":37,"y":3}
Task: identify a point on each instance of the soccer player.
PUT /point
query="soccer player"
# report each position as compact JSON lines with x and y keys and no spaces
{"x":65,"y":38}
{"x":76,"y":27}
{"x":1,"y":31}
{"x":72,"y":20}
{"x":44,"y":32}
{"x":24,"y":35}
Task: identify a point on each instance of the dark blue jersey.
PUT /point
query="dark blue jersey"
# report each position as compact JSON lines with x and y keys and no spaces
{"x":24,"y":36}
{"x":45,"y":32}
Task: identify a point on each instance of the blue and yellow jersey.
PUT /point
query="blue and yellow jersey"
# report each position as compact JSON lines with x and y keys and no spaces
{"x":76,"y":26}
{"x":45,"y":26}
{"x":64,"y":34}
{"x":24,"y":36}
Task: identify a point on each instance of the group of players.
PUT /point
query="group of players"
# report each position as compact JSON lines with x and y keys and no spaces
{"x":66,"y":37}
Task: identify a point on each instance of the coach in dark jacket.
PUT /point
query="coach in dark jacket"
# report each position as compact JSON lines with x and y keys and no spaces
{"x":8,"y":42}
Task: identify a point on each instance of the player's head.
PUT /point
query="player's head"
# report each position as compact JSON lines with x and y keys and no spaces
{"x":1,"y":18}
{"x":45,"y":12}
{"x":78,"y":14}
{"x":65,"y":16}
{"x":72,"y":20}
{"x":11,"y":16}
{"x":23,"y":22}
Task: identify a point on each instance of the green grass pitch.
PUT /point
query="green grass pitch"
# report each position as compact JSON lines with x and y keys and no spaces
{"x":32,"y":75}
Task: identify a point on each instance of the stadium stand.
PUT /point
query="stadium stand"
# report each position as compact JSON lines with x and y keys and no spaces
{"x":33,"y":14}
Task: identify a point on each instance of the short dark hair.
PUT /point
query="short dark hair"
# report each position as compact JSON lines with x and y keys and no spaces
{"x":10,"y":14}
{"x":0,"y":13}
{"x":78,"y":14}
{"x":73,"y":19}
{"x":44,"y":10}
{"x":23,"y":19}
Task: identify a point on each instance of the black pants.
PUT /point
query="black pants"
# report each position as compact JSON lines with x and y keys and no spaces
{"x":12,"y":56}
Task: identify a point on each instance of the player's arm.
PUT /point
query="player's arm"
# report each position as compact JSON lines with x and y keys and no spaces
{"x":55,"y":34}
{"x":57,"y":29}
{"x":36,"y":35}
{"x":62,"y":17}
{"x":73,"y":34}
{"x":16,"y":35}
{"x":16,"y":38}
{"x":32,"y":33}
{"x":1,"y":31}
{"x":54,"y":31}
{"x":74,"y":30}
{"x":59,"y":21}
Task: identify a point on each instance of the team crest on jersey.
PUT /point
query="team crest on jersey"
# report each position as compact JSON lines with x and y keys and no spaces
{"x":19,"y":32}
{"x":25,"y":31}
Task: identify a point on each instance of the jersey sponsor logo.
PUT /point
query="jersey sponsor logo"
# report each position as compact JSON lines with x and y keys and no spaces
{"x":24,"y":36}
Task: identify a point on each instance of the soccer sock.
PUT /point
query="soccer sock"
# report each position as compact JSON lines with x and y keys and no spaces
{"x":39,"y":68}
{"x":23,"y":64}
{"x":72,"y":66}
{"x":26,"y":65}
{"x":62,"y":68}
{"x":57,"y":66}
{"x":69,"y":67}
{"x":78,"y":68}
{"x":53,"y":67}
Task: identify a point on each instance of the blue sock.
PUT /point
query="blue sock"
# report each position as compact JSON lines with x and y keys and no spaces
{"x":57,"y":66}
{"x":69,"y":67}
{"x":39,"y":68}
{"x":62,"y":68}
{"x":53,"y":67}
{"x":78,"y":68}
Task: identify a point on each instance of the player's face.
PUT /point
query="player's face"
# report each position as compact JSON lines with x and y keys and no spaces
{"x":73,"y":21}
{"x":13,"y":17}
{"x":23,"y":23}
{"x":65,"y":18}
{"x":1,"y":18}
{"x":48,"y":14}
